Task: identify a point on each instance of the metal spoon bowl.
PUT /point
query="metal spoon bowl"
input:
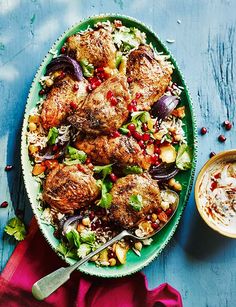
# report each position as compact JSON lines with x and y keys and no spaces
{"x":51,"y":282}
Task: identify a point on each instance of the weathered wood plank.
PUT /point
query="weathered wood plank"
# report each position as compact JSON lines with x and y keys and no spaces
{"x":198,"y":262}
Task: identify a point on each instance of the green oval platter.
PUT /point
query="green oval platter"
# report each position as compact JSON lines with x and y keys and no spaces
{"x":134,"y":263}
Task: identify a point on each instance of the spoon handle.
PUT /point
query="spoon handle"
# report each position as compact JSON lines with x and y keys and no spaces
{"x":51,"y":282}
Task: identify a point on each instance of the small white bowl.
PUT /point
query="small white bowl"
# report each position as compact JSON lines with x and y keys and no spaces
{"x":228,"y":155}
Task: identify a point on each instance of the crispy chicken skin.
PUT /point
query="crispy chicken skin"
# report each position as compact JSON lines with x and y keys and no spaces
{"x":121,"y":212}
{"x":96,"y":115}
{"x":66,"y":188}
{"x":149,"y":77}
{"x":96,"y":46}
{"x":57,"y":105}
{"x":105,"y":150}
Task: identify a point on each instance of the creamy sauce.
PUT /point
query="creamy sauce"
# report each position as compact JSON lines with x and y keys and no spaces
{"x":217,"y":195}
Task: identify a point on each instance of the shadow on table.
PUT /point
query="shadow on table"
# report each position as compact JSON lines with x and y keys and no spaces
{"x":16,"y":185}
{"x":197,"y":239}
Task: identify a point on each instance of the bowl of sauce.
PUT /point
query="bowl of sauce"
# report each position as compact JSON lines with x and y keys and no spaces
{"x":215,"y":193}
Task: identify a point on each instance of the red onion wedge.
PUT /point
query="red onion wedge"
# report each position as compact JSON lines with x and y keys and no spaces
{"x":65,"y":62}
{"x":164,"y":106}
{"x":164,"y":171}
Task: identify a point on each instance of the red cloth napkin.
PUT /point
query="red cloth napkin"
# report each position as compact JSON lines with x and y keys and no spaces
{"x":33,"y":259}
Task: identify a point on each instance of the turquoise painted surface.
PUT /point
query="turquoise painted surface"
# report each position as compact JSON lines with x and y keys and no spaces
{"x":198,"y":262}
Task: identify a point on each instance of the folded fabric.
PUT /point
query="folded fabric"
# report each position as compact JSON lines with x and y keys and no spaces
{"x":33,"y":259}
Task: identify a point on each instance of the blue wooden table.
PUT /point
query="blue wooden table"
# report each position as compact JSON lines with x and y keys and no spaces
{"x":200,"y":263}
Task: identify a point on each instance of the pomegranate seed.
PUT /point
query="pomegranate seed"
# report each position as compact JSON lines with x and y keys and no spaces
{"x":137,"y":135}
{"x":113,"y":177}
{"x":130,"y":107}
{"x":56,"y":233}
{"x":158,"y":162}
{"x":135,"y":108}
{"x":129,"y":134}
{"x":141,"y":144}
{"x":73,"y":105}
{"x":144,"y":127}
{"x":55,"y":148}
{"x":227,"y":125}
{"x":213,"y":185}
{"x":8,"y":168}
{"x":62,"y":75}
{"x":169,"y":212}
{"x":154,"y":226}
{"x":113,"y":101}
{"x":131,"y":127}
{"x":129,"y":79}
{"x":93,"y":79}
{"x":100,"y":69}
{"x":154,"y":159}
{"x":203,"y":130}
{"x":146,"y":137}
{"x":134,"y":102}
{"x":80,"y":168}
{"x":157,"y":150}
{"x":151,"y":141}
{"x":118,"y":23}
{"x":4,"y":204}
{"x":109,"y":95}
{"x":88,"y":161}
{"x":159,"y":210}
{"x":212,"y":154}
{"x":222,"y":138}
{"x":115,"y":134}
{"x":63,"y":49}
{"x":42,"y":92}
{"x":89,"y":88}
{"x":91,"y":215}
{"x":144,"y":152}
{"x":149,"y":217}
{"x":93,"y":86}
{"x":75,"y":87}
{"x":138,"y":95}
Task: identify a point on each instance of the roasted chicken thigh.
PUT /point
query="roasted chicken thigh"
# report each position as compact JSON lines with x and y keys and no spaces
{"x":95,"y":46}
{"x":148,"y":76}
{"x":122,"y":150}
{"x":58,"y":102}
{"x":105,"y":109}
{"x":67,"y":188}
{"x":122,"y":212}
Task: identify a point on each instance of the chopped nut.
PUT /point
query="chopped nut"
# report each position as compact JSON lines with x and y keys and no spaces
{"x":33,"y":149}
{"x":112,"y":261}
{"x":172,"y":182}
{"x":49,"y":82}
{"x":165,"y":205}
{"x":177,"y":137}
{"x":34,"y":119}
{"x":177,"y":186}
{"x":80,"y":227}
{"x":154,"y":217}
{"x":163,"y":217}
{"x":38,"y":169}
{"x":32,"y":127}
{"x":94,"y":258}
{"x":86,"y":221}
{"x":138,"y":246}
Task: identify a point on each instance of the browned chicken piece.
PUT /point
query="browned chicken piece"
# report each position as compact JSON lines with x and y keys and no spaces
{"x":150,"y":77}
{"x":63,"y":98}
{"x":105,"y":150}
{"x":97,"y":114}
{"x":95,"y":46}
{"x":122,"y":212}
{"x":67,"y":188}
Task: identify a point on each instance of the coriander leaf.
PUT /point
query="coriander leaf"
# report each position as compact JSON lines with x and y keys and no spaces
{"x":88,"y":69}
{"x":105,"y":201}
{"x":124,"y":130}
{"x":16,"y":228}
{"x":184,"y":157}
{"x":72,"y":254}
{"x":52,"y":135}
{"x":73,"y":238}
{"x":87,"y":236}
{"x":132,"y":170}
{"x":106,"y":198}
{"x":118,"y":59}
{"x":105,"y":170}
{"x":62,"y":249}
{"x":83,"y":250}
{"x":76,"y":154}
{"x":135,"y":202}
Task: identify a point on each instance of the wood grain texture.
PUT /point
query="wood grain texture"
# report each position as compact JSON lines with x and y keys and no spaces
{"x":198,"y":262}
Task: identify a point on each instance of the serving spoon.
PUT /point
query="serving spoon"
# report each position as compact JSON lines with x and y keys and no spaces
{"x":51,"y":282}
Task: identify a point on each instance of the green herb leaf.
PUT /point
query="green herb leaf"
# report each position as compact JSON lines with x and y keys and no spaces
{"x":83,"y":250}
{"x":124,"y":130}
{"x":106,"y":198}
{"x":105,"y":170}
{"x":184,"y":157}
{"x":52,"y":135}
{"x":135,"y":202}
{"x":118,"y":59}
{"x":16,"y":228}
{"x":134,"y":169}
{"x":75,"y":154}
{"x":62,"y":249}
{"x":87,"y":236}
{"x":73,"y":238}
{"x":88,"y":69}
